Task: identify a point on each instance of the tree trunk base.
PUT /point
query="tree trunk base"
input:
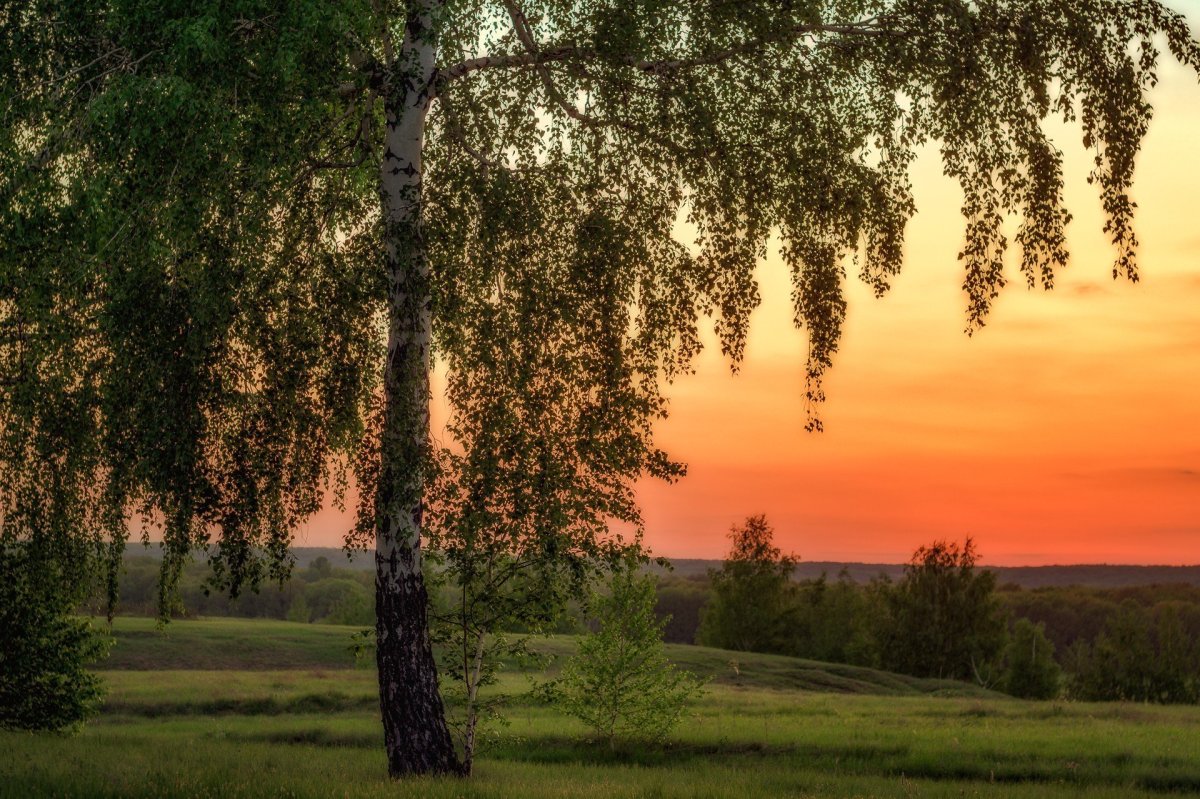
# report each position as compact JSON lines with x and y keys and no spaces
{"x":415,"y":734}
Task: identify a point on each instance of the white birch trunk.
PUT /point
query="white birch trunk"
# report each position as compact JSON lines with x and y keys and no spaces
{"x":415,"y":732}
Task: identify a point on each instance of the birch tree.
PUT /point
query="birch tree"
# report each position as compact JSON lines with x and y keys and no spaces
{"x":235,"y":235}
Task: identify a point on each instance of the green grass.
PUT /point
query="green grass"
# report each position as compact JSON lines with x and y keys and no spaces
{"x":313,"y":731}
{"x":234,"y":644}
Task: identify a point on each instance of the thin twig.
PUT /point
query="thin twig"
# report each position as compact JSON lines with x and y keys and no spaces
{"x":458,"y":135}
{"x":575,"y":53}
{"x":525,"y":35}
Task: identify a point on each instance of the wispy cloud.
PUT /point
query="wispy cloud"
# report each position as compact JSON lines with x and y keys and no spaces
{"x":1151,"y":474}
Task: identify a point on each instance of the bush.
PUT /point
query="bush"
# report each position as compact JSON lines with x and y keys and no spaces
{"x":620,"y":682}
{"x":340,"y":600}
{"x":1030,"y":671}
{"x":44,"y":654}
{"x":298,"y":611}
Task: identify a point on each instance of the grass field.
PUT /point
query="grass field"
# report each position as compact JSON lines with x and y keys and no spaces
{"x":262,"y":709}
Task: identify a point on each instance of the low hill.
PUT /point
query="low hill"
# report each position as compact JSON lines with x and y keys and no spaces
{"x":267,"y":645}
{"x":1088,"y":575}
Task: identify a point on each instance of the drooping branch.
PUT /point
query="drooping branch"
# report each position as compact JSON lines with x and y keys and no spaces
{"x":867,"y":27}
{"x":570,"y":52}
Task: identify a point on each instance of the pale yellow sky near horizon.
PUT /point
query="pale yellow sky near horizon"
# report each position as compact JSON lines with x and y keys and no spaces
{"x":1068,"y":430}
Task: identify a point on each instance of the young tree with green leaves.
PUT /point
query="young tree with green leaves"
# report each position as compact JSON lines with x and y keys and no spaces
{"x":620,"y":682}
{"x":235,"y":235}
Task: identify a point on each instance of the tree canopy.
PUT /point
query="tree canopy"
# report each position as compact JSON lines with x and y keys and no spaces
{"x":190,"y":292}
{"x":235,"y":233}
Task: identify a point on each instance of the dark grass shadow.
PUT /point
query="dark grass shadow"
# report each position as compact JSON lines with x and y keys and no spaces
{"x":1160,"y":774}
{"x":326,"y":702}
{"x":310,"y":736}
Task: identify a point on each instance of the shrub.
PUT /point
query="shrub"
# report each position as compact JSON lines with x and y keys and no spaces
{"x":1030,"y":671}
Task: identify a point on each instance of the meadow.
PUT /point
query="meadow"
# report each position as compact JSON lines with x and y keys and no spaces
{"x":243,"y":708}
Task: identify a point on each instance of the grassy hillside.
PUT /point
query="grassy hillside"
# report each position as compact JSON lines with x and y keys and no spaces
{"x":228,"y":644}
{"x":262,"y":644}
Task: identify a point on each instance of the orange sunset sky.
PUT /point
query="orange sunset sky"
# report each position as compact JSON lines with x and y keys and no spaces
{"x":1067,"y":431}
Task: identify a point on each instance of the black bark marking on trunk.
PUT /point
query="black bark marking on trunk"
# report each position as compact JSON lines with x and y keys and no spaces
{"x":416,"y":737}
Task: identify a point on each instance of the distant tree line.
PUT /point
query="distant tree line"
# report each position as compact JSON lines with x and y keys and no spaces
{"x":947,"y":618}
{"x":839,"y":608}
{"x":319,"y":592}
{"x":1146,"y":656}
{"x":944,"y":617}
